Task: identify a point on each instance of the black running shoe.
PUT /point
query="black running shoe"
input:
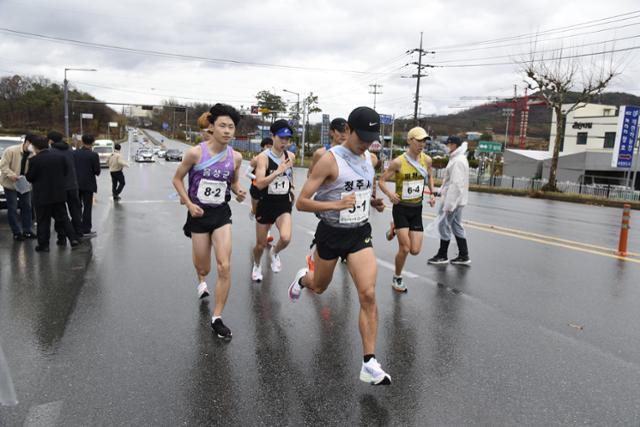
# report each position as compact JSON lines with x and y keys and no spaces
{"x":461,"y":260}
{"x":221,"y":330}
{"x":437,"y":260}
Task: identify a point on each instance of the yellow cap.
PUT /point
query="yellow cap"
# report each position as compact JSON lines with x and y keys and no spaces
{"x":417,"y":133}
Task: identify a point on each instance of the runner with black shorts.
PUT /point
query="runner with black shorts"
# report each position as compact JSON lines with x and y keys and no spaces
{"x":213,"y":168}
{"x":410,"y":171}
{"x":343,"y":181}
{"x":274,"y":178}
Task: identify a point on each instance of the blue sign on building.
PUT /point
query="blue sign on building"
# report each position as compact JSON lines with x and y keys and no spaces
{"x":386,"y":119}
{"x":165,"y":125}
{"x":626,"y":136}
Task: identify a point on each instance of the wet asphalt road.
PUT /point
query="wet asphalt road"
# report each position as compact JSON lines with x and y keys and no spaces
{"x":112,"y":333}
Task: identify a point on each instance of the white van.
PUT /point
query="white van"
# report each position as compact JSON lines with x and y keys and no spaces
{"x":104,"y":148}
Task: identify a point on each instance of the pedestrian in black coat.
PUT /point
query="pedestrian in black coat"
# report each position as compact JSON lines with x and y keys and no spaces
{"x":73,"y":197}
{"x":87,"y":168}
{"x":48,"y":173}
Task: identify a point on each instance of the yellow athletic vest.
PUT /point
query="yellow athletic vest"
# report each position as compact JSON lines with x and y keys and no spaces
{"x":409,"y":173}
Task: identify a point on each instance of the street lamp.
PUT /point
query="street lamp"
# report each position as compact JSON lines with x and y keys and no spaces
{"x":303,"y":124}
{"x":66,"y":97}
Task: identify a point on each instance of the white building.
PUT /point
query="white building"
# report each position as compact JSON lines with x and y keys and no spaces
{"x":587,"y":145}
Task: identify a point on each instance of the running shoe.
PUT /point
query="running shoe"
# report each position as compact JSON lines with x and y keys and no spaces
{"x":295,"y":289}
{"x":203,"y":292}
{"x":276,"y":265}
{"x":269,"y":237}
{"x":373,"y":374}
{"x":398,"y":285}
{"x":221,"y":329}
{"x":391,"y":232}
{"x":437,"y":260}
{"x":256,"y":273}
{"x":461,"y":260}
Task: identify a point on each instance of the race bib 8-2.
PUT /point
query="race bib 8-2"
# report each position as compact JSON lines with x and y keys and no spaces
{"x":279,"y":186}
{"x":212,"y":192}
{"x":360,"y":212}
{"x":412,"y":189}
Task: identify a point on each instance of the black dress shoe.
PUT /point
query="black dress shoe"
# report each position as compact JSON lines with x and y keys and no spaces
{"x":18,"y":237}
{"x":61,"y":242}
{"x":42,"y":248}
{"x":75,"y":243}
{"x":29,"y":235}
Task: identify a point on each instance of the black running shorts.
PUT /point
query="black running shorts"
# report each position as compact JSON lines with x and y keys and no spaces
{"x":254,"y":192}
{"x":333,"y":242}
{"x":407,"y":217}
{"x":268,"y":211}
{"x":213,"y":218}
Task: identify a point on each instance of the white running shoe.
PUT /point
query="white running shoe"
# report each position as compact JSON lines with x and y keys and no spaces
{"x":398,"y":285}
{"x":203,"y":292}
{"x":276,"y":265}
{"x":256,"y":273}
{"x":373,"y":374}
{"x":294,"y":288}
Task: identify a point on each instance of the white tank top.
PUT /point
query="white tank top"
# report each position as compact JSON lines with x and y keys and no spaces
{"x":348,"y":181}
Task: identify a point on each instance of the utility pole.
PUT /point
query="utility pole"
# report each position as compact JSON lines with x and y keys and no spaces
{"x":375,"y":92}
{"x":418,"y":76}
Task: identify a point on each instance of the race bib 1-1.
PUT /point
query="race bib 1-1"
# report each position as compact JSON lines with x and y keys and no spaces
{"x":412,"y":189}
{"x":279,"y":186}
{"x":360,"y":212}
{"x":212,"y":192}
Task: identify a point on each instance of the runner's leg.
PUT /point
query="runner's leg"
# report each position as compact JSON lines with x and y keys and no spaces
{"x":201,"y":251}
{"x":283,"y":224}
{"x":319,"y":279}
{"x":261,"y":241}
{"x":363,"y":268}
{"x":416,"y":242}
{"x":221,"y":238}
{"x":404,"y":246}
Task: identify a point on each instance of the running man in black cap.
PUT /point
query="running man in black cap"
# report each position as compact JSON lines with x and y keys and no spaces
{"x":337,"y":134}
{"x":343,"y":184}
{"x":274,"y":179}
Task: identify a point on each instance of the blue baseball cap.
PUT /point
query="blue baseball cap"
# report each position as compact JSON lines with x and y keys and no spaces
{"x":284,"y":133}
{"x":281,"y":128}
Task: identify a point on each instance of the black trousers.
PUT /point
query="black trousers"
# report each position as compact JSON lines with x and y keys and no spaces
{"x":86,"y":198}
{"x":75,"y":211}
{"x":44,"y":213}
{"x":117,"y":182}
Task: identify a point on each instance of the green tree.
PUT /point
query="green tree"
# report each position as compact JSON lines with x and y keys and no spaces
{"x":270,"y":104}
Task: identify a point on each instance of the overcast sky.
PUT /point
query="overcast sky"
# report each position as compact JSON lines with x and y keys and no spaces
{"x":334,"y":49}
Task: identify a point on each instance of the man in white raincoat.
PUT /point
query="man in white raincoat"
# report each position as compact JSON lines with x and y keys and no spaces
{"x":455,"y":195}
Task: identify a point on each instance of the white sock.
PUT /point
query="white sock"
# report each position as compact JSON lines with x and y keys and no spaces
{"x":214,"y":318}
{"x":203,"y":282}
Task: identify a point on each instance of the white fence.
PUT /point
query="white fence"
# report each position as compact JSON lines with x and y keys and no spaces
{"x":616,"y":192}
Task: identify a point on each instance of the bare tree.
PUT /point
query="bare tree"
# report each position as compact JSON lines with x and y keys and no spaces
{"x":565,"y":82}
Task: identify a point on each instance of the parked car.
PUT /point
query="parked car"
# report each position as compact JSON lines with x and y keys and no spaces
{"x":162,"y":153}
{"x":6,"y":142}
{"x":173,"y":155}
{"x":145,"y":155}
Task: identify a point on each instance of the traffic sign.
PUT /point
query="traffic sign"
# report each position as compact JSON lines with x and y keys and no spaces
{"x":113,"y":124}
{"x":87,"y":115}
{"x":386,"y":119}
{"x":489,"y":147}
{"x":165,"y":125}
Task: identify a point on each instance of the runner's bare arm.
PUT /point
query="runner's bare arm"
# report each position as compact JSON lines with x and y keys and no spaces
{"x":394,"y":167}
{"x":190,"y":159}
{"x":314,"y":159}
{"x":235,"y":184}
{"x":326,"y":170}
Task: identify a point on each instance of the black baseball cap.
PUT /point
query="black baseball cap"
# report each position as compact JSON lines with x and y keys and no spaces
{"x":281,"y":128}
{"x":338,"y":124}
{"x":454,"y":140}
{"x":366,"y":123}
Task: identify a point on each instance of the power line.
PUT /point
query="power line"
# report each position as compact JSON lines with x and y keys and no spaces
{"x":172,"y":55}
{"x":549,"y":31}
{"x":375,"y":92}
